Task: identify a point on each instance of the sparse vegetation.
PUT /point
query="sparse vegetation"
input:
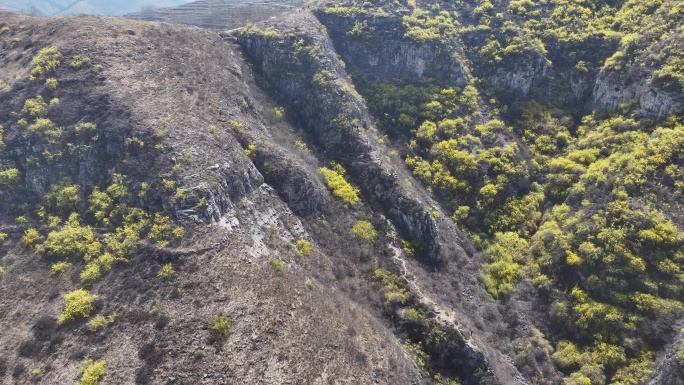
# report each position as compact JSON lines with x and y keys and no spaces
{"x":35,"y":106}
{"x":46,"y":61}
{"x":51,"y":84}
{"x":277,"y":267}
{"x":99,"y":322}
{"x":582,"y":209}
{"x":92,"y":371}
{"x":301,"y":145}
{"x":364,"y":230}
{"x":31,"y":236}
{"x":339,"y":186}
{"x":392,"y":288}
{"x":59,"y":268}
{"x":77,"y":304}
{"x":79,"y":61}
{"x":304,"y":247}
{"x":9,"y":177}
{"x":250,"y":150}
{"x":85,"y":127}
{"x":166,"y":271}
{"x":221,"y":328}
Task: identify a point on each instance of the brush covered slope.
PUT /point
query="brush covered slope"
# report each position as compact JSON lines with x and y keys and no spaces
{"x":140,"y":243}
{"x":474,"y":192}
{"x":551,"y":133}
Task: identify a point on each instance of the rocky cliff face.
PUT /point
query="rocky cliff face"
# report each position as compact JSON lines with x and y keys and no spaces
{"x":377,"y":46}
{"x":303,"y":68}
{"x":615,"y":88}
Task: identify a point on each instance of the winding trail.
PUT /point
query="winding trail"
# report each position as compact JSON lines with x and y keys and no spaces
{"x":443,"y":315}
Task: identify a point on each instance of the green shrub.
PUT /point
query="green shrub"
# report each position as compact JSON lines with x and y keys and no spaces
{"x":77,"y":304}
{"x":339,"y":186}
{"x":135,"y":142}
{"x":166,"y":271}
{"x":277,"y":267}
{"x":301,"y":145}
{"x":72,"y":240}
{"x":99,"y":322}
{"x":237,"y":126}
{"x":31,"y":236}
{"x":51,"y":84}
{"x":198,"y":354}
{"x":415,"y":314}
{"x":79,"y":61}
{"x":155,"y":311}
{"x":35,"y":106}
{"x":98,"y":266}
{"x":168,"y":184}
{"x":364,"y":230}
{"x":221,"y":328}
{"x":92,"y":371}
{"x":63,"y":197}
{"x":461,"y":213}
{"x":250,"y":151}
{"x":59,"y":268}
{"x":304,"y":247}
{"x":46,"y":127}
{"x":85,"y":127}
{"x":2,"y":270}
{"x":161,"y":225}
{"x":3,"y":237}
{"x":393,"y":288}
{"x":503,"y":269}
{"x":181,"y":194}
{"x":322,"y":78}
{"x":9,"y":177}
{"x":567,"y":355}
{"x":45,"y":61}
{"x":309,"y":284}
{"x":178,"y":232}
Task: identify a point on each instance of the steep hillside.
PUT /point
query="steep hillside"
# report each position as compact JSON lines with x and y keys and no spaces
{"x":123,"y":175}
{"x":480,"y":192}
{"x":553,"y":134}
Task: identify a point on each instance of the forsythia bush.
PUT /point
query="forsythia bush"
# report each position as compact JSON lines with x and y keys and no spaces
{"x":339,"y":186}
{"x":77,"y":304}
{"x":92,"y":372}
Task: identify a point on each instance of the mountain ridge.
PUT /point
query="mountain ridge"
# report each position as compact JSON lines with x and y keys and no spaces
{"x":477,"y":193}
